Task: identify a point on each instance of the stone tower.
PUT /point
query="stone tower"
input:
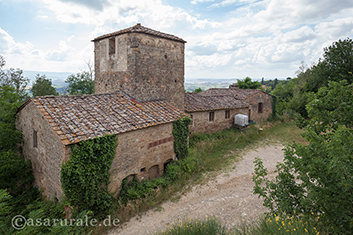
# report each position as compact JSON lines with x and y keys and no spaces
{"x":144,"y":63}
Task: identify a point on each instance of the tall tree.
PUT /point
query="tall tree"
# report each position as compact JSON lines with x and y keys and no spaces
{"x":14,"y":78}
{"x":336,"y":65}
{"x":81,"y":83}
{"x":43,"y":86}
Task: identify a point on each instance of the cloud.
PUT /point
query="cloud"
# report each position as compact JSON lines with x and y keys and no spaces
{"x":62,"y":53}
{"x":204,"y":49}
{"x":250,"y":38}
{"x":236,"y":2}
{"x":94,"y":4}
{"x":299,"y":35}
{"x":201,"y":1}
{"x":9,"y":46}
{"x":335,"y":29}
{"x":301,"y":11}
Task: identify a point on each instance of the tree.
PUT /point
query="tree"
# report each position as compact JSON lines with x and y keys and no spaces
{"x":198,"y":90}
{"x":336,"y":65}
{"x":81,"y":83}
{"x":332,"y":107}
{"x":43,"y":86}
{"x":13,"y":78}
{"x":248,"y":84}
{"x":9,"y":102}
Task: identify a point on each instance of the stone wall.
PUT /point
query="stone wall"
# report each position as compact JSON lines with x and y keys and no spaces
{"x":47,"y":157}
{"x":144,"y":66}
{"x":201,"y":123}
{"x":142,"y":153}
{"x":254,"y":100}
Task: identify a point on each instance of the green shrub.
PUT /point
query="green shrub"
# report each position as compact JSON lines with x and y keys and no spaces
{"x":132,"y":189}
{"x":209,"y":226}
{"x":314,"y":181}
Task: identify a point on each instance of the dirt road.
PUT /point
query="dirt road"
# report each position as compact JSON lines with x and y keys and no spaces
{"x":228,"y":197}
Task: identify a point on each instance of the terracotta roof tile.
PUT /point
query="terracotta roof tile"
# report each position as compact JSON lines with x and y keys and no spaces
{"x":138,"y":28}
{"x":77,"y":118}
{"x":239,"y":94}
{"x":195,"y":102}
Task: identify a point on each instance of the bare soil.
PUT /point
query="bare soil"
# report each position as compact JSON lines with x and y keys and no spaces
{"x":228,"y":196}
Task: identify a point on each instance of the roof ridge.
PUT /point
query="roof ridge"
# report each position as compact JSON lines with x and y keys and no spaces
{"x":138,"y":28}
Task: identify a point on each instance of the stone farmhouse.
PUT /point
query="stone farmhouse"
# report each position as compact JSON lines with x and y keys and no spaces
{"x":214,"y":109}
{"x":139,"y":93}
{"x":139,"y":89}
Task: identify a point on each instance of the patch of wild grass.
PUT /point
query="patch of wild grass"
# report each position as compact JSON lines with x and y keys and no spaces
{"x":212,"y":150}
{"x":209,"y":226}
{"x":278,"y":225}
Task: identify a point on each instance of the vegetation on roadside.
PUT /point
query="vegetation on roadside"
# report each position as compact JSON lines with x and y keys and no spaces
{"x":278,"y":225}
{"x":314,"y":182}
{"x":209,"y":226}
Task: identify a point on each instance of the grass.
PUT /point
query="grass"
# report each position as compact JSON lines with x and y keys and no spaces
{"x":208,"y":154}
{"x":209,"y":226}
{"x":218,"y":150}
{"x":271,"y":225}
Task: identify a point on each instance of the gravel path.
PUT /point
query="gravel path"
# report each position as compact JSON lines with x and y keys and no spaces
{"x":228,"y":197}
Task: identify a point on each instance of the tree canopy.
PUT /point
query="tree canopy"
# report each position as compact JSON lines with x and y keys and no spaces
{"x":43,"y":86}
{"x":335,"y":66}
{"x":247,"y":83}
{"x":13,"y":78}
{"x":81,"y":83}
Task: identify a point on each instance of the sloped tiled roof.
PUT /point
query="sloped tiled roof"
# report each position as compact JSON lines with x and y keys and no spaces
{"x":240,"y":94}
{"x":195,"y":102}
{"x":138,"y":28}
{"x":77,"y":118}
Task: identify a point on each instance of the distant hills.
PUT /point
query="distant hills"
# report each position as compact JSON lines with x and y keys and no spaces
{"x":191,"y":84}
{"x":58,"y":78}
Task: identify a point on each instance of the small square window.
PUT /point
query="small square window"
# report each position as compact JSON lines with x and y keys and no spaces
{"x":35,"y":139}
{"x":227,"y":114}
{"x":211,"y":116}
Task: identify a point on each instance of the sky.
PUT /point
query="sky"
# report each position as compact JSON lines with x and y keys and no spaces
{"x":225,"y":39}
